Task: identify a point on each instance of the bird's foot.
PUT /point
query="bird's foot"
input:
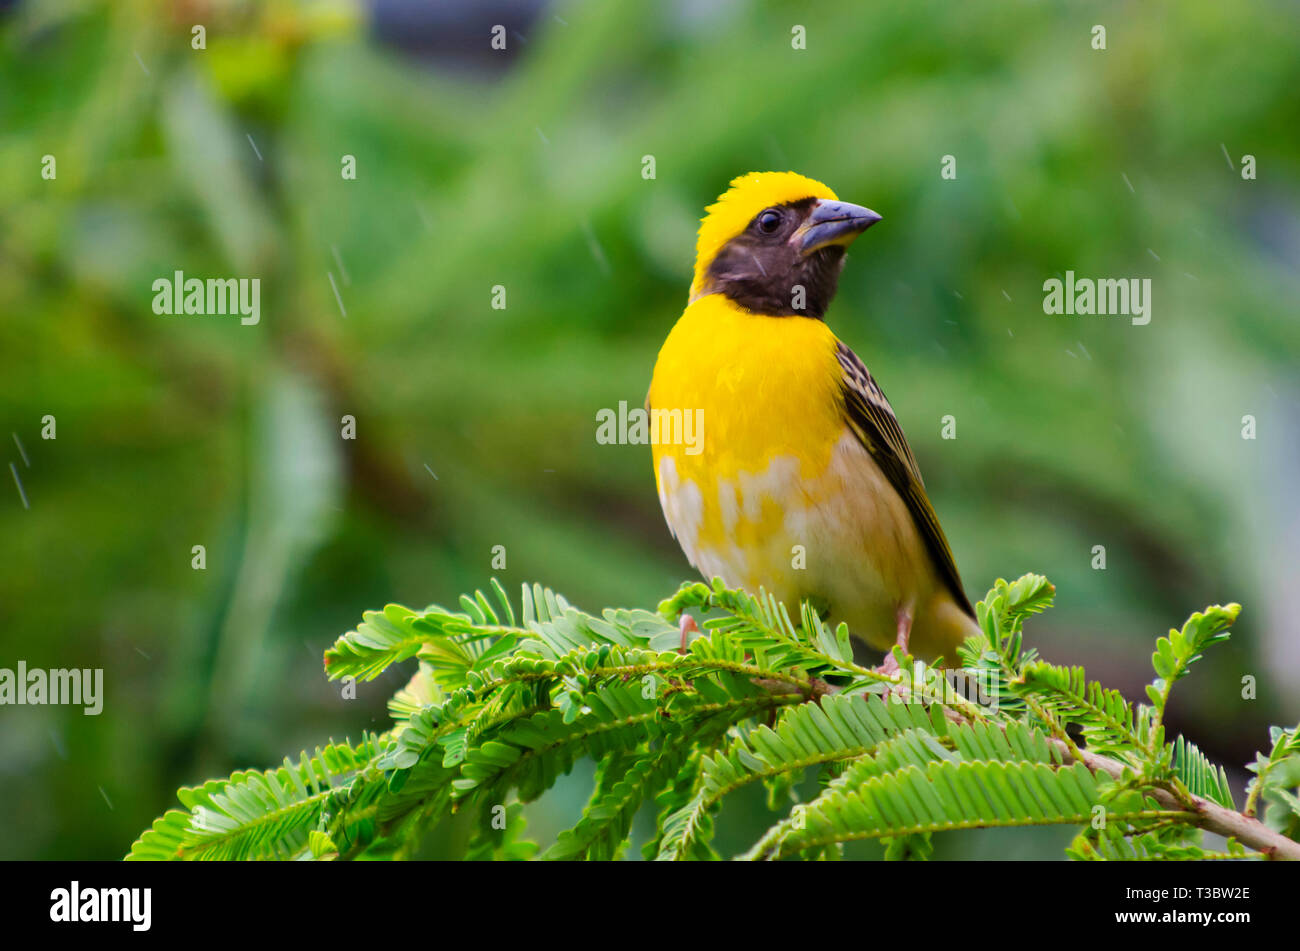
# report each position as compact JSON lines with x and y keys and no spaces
{"x":688,"y":627}
{"x":890,"y":665}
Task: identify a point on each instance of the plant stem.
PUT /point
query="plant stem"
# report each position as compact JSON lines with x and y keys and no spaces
{"x":1209,"y":816}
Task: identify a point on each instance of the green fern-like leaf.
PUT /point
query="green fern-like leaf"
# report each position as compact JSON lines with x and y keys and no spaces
{"x":840,"y":727}
{"x":1199,"y":775}
{"x":255,"y":814}
{"x":1110,"y":723}
{"x":1117,"y":846}
{"x":1175,"y":653}
{"x":941,"y":796}
{"x":505,"y":700}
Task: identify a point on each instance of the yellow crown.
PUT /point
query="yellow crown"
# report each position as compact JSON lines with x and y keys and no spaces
{"x":736,"y":207}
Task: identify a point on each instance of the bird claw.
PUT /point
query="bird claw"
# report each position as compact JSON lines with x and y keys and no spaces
{"x":890,"y":665}
{"x":688,"y":627}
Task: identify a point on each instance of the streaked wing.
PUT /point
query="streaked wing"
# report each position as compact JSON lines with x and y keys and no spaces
{"x":873,"y":422}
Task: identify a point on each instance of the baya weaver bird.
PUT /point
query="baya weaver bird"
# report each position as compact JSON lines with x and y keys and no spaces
{"x":802,"y":483}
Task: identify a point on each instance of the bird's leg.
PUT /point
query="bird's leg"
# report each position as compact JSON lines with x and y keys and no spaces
{"x":688,"y":626}
{"x":904,"y":618}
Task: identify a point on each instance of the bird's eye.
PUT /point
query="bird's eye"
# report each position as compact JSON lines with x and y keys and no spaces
{"x":769,"y":221}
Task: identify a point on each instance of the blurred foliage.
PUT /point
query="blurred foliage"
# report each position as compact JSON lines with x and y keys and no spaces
{"x":475,"y":426}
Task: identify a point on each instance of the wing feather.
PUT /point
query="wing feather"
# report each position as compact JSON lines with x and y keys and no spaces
{"x":873,"y":422}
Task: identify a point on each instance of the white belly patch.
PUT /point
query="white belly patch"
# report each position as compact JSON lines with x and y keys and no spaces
{"x":845,"y":537}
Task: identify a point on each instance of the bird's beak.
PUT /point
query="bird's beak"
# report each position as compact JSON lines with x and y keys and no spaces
{"x":833,"y":222}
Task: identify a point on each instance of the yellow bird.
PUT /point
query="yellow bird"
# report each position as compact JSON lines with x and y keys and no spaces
{"x":801,"y":481}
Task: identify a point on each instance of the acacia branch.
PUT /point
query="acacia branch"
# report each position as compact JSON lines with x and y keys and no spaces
{"x":1208,"y":815}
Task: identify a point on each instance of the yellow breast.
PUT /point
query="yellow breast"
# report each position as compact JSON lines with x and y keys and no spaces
{"x":766,"y":392}
{"x":766,"y":386}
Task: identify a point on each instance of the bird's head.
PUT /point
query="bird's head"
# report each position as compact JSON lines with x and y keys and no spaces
{"x":774,"y":241}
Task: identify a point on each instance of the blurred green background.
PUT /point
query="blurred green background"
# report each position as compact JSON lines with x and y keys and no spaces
{"x":476,"y":426}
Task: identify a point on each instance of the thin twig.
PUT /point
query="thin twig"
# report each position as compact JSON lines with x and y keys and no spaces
{"x":1209,"y":815}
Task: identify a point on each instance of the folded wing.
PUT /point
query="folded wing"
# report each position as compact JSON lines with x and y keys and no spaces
{"x":872,"y":420}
